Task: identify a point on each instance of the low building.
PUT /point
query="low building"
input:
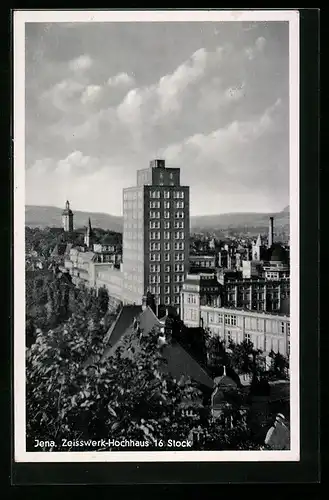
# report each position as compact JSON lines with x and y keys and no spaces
{"x":201,"y":306}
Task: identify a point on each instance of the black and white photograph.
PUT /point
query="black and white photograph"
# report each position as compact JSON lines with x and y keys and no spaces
{"x":156,"y":226}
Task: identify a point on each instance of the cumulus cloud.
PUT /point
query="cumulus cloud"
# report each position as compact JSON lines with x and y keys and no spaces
{"x":62,"y":93}
{"x":204,"y":108}
{"x":258,"y":47}
{"x":80,"y":63}
{"x":90,"y":93}
{"x":120,"y":79}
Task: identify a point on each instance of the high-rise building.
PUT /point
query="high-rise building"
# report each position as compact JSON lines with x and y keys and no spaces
{"x":67,"y":218}
{"x":156,"y":233}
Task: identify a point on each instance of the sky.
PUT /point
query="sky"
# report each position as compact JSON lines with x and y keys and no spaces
{"x":103,"y":99}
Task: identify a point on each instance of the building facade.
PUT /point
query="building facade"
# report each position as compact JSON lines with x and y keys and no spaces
{"x":201,"y":306}
{"x":156,"y":235}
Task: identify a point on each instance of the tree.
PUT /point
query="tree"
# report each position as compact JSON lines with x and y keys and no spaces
{"x":121,"y":397}
{"x":279,"y":365}
{"x":103,"y":300}
{"x":244,"y":357}
{"x":217,"y":356}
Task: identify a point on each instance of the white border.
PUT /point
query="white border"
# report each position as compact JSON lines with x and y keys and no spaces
{"x":47,"y":16}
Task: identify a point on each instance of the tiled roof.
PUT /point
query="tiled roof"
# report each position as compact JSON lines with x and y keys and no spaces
{"x":178,"y":362}
{"x":181,"y":364}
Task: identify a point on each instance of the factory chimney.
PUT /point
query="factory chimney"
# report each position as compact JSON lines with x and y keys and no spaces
{"x":270,"y":233}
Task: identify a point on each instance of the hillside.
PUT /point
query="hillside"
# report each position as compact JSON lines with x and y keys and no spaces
{"x":37,"y":216}
{"x":244,"y":221}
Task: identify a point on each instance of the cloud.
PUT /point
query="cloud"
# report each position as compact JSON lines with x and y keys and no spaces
{"x":120,"y":79}
{"x":90,"y":93}
{"x":257,"y":48}
{"x":80,"y":63}
{"x":61,"y":95}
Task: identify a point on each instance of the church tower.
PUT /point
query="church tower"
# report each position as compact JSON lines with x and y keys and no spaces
{"x":67,"y":218}
{"x":256,"y":248}
{"x":88,"y":240}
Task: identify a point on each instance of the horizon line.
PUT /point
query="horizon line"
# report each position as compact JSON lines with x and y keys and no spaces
{"x":195,"y":215}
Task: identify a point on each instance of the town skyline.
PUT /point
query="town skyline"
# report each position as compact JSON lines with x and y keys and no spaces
{"x":217,"y":104}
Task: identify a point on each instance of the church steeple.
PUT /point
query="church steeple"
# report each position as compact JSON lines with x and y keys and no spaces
{"x":88,"y":235}
{"x":256,"y":248}
{"x":67,"y":218}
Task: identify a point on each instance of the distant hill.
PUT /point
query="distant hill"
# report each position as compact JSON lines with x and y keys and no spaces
{"x":244,"y":221}
{"x":41,"y":216}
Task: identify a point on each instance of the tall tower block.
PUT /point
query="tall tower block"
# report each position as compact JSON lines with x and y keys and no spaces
{"x":67,"y":218}
{"x":156,"y":234}
{"x":270,"y":233}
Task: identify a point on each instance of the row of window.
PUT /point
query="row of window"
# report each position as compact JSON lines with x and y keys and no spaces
{"x":155,"y":268}
{"x":167,"y":215}
{"x":167,"y":194}
{"x":156,"y":278}
{"x":166,"y":289}
{"x":156,"y":235}
{"x":178,"y":245}
{"x":156,"y":257}
{"x":156,"y":224}
{"x":167,"y":204}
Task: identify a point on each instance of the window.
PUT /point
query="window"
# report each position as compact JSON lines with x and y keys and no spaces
{"x":154,"y":235}
{"x":288,"y":328}
{"x":167,"y":194}
{"x":177,"y":299}
{"x":154,"y":268}
{"x":167,"y":300}
{"x":167,"y":235}
{"x":167,"y":215}
{"x":154,"y":204}
{"x":167,"y":289}
{"x":167,"y":224}
{"x":179,"y":256}
{"x":167,"y":204}
{"x":167,"y":246}
{"x":167,"y":277}
{"x":154,"y":215}
{"x":167,"y":257}
{"x":155,"y":257}
{"x":154,"y":246}
{"x":179,"y":267}
{"x":176,"y":288}
{"x":229,"y":336}
{"x":154,"y":194}
{"x":179,"y":194}
{"x":179,"y":215}
{"x":191,"y":299}
{"x":282,"y":327}
{"x":247,"y":337}
{"x":179,"y":245}
{"x":230,"y":319}
{"x":154,"y":224}
{"x":179,"y":204}
{"x":179,"y":224}
{"x":288,"y":348}
{"x":154,"y":279}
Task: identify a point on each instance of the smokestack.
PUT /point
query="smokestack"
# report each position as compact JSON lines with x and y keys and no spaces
{"x":270,"y":232}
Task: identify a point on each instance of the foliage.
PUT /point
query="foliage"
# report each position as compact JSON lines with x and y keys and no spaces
{"x":279,"y":365}
{"x":244,"y":357}
{"x":75,"y":394}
